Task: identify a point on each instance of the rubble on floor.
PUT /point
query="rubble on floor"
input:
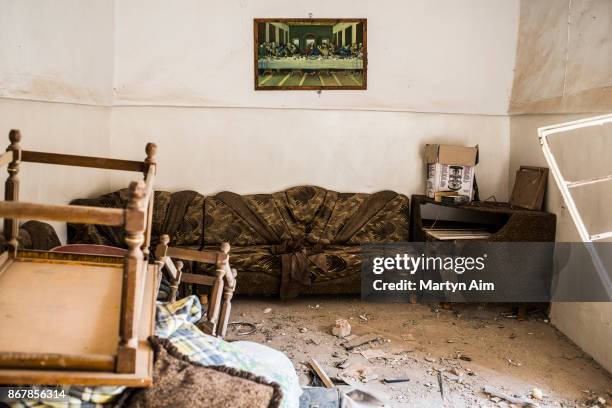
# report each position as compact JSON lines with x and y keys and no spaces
{"x":471,"y":356}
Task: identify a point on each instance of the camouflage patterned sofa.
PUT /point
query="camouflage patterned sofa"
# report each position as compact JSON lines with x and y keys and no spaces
{"x":35,"y":235}
{"x":302,"y":240}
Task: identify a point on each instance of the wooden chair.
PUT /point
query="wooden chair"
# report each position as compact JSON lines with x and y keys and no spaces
{"x":223,"y":283}
{"x":70,"y":318}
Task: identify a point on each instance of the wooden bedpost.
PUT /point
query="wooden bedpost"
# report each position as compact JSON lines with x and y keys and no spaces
{"x":214,"y":303}
{"x":226,"y":307}
{"x":135,"y":224}
{"x":11,"y":189}
{"x":151,"y":151}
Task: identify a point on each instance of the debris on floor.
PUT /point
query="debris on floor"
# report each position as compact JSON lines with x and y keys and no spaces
{"x":361,"y":340}
{"x":395,"y":380}
{"x":341,"y":328}
{"x":363,"y":399}
{"x":423,"y":360}
{"x":537,"y":393}
{"x":441,"y":384}
{"x":344,"y":364}
{"x":463,"y":357}
{"x":514,"y":363}
{"x":373,"y":354}
{"x":359,"y":374}
{"x":243,"y":328}
{"x":495,"y":393}
{"x":327,"y":382}
{"x":456,"y":371}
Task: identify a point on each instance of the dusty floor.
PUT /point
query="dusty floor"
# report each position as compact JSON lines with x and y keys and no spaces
{"x":510,"y":355}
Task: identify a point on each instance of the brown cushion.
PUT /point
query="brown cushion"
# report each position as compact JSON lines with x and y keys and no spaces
{"x":179,"y":382}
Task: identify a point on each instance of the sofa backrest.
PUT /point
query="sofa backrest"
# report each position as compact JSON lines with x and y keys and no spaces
{"x":307,"y":214}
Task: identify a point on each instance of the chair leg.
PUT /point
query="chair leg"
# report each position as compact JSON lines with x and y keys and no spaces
{"x":215,"y":300}
{"x":174,"y":285}
{"x":226,"y":309}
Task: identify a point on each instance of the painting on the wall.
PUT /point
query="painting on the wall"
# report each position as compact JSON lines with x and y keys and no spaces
{"x":310,"y":54}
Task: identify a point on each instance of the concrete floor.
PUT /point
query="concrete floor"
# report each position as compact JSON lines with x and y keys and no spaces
{"x":418,"y":342}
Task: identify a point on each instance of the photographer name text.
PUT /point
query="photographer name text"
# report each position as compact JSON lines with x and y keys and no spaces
{"x":430,"y":285}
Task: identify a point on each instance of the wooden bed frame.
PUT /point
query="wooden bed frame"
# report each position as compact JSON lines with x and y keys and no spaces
{"x":79,"y":319}
{"x":223,"y":283}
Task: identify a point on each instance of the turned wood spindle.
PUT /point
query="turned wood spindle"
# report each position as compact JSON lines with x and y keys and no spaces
{"x":161,"y":251}
{"x":134,"y":226}
{"x":214,"y":305}
{"x":151,"y":151}
{"x":226,"y":308}
{"x":175,"y":283}
{"x":11,"y":189}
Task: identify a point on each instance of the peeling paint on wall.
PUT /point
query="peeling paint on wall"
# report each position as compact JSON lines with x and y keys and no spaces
{"x":42,"y":87}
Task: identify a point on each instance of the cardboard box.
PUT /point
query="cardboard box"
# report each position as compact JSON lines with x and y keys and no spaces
{"x":450,"y":168}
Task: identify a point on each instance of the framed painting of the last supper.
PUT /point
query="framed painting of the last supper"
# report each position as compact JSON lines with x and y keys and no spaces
{"x":310,"y":54}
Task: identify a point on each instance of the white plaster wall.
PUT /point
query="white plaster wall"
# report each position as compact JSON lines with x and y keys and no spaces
{"x":564,"y":57}
{"x":589,"y":325}
{"x":57,"y":50}
{"x":56,"y":71}
{"x":424,"y":56}
{"x":59,"y":128}
{"x":265,"y":150}
{"x":184,"y":78}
